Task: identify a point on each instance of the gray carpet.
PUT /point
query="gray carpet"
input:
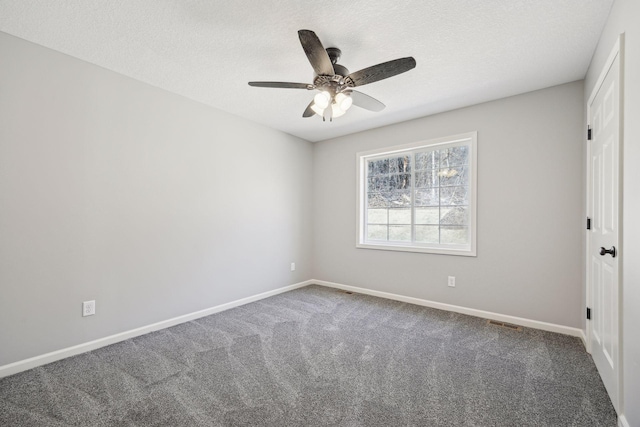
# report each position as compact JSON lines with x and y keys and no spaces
{"x":319,"y":357}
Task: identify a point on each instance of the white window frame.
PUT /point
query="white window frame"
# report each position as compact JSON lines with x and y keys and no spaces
{"x":470,"y":139}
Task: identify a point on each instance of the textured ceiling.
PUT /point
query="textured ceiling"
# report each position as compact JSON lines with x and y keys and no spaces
{"x":467,"y":51}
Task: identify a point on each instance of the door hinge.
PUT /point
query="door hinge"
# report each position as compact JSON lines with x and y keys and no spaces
{"x":588,"y":223}
{"x":589,"y":133}
{"x":588,"y":313}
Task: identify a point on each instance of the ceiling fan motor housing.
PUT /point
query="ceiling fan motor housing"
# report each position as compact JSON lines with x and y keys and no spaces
{"x":334,"y":55}
{"x":335,"y":83}
{"x":340,"y":70}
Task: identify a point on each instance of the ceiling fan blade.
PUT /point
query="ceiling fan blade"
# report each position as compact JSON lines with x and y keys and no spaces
{"x":365,"y":101}
{"x":309,"y":112}
{"x":381,"y":71}
{"x":283,"y":85}
{"x":316,"y":53}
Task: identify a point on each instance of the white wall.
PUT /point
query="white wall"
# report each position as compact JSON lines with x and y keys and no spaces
{"x":624,"y":17}
{"x":529,"y":210}
{"x":151,"y":204}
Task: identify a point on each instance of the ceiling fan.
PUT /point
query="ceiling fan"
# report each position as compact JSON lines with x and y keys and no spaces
{"x":334,"y":82}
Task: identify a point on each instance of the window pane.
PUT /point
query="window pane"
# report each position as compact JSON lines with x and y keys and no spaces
{"x":454,"y":156}
{"x":427,"y":234}
{"x":400,"y":199}
{"x":378,"y":200}
{"x":428,"y":178}
{"x":379,"y":183}
{"x":457,"y":175}
{"x":427,"y":197}
{"x":427,"y":160}
{"x":377,"y":216}
{"x":400,"y":233}
{"x":454,"y":196}
{"x":400,"y":216}
{"x":377,"y":232}
{"x":400,"y":164}
{"x":427,"y":216}
{"x":454,"y":216}
{"x":378,"y":167}
{"x":400,"y":182}
{"x":454,"y":235}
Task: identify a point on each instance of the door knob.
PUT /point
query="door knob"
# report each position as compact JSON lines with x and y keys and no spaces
{"x":611,"y":251}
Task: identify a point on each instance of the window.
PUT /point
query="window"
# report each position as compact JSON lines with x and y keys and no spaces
{"x":419,"y":197}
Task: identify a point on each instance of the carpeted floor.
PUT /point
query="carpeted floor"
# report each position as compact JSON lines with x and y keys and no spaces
{"x":319,"y":357}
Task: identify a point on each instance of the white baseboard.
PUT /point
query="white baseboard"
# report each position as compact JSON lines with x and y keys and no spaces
{"x":622,"y":421}
{"x":535,"y":324}
{"x":33,"y":362}
{"x":583,"y":337}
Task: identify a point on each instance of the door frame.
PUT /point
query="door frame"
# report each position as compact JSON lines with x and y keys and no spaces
{"x":616,"y":52}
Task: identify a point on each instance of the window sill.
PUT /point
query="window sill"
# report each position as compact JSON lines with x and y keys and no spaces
{"x":419,"y":249}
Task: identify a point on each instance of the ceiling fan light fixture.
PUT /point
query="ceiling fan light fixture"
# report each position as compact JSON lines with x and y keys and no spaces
{"x":319,"y":111}
{"x":322,"y":100}
{"x":343,"y":101}
{"x":336,"y":110}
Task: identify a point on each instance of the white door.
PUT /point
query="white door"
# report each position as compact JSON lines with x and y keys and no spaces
{"x":603,"y":244}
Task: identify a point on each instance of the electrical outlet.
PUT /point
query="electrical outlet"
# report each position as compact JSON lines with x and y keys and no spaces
{"x":452,"y":281}
{"x":293,"y":266}
{"x":88,"y":308}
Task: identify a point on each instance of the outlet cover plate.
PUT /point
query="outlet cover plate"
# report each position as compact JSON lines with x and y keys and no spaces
{"x":88,"y":308}
{"x":452,"y":281}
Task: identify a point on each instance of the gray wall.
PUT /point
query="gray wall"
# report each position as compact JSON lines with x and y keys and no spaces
{"x":151,"y":204}
{"x":529,"y":210}
{"x":624,"y":18}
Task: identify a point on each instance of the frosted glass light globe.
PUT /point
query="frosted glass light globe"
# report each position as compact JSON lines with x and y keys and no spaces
{"x":322,"y":99}
{"x":336,"y":110}
{"x":319,"y":111}
{"x":344,"y":101}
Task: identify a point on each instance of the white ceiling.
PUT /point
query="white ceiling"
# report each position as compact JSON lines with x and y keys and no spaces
{"x":467,"y":51}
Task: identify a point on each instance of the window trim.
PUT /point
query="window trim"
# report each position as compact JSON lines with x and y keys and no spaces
{"x":361,"y":170}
